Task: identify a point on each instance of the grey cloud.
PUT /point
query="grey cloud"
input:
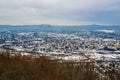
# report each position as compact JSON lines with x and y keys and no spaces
{"x":59,"y":11}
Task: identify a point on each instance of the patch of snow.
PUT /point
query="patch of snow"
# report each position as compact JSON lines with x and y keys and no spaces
{"x":106,"y":31}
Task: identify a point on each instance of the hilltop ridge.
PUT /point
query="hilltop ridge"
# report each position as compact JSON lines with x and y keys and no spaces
{"x":57,"y":28}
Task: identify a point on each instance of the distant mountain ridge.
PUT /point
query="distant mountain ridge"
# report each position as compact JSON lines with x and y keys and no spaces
{"x":56,"y":28}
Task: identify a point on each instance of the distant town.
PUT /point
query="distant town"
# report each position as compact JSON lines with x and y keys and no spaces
{"x":101,"y":45}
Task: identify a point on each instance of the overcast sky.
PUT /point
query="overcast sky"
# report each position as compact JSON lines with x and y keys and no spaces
{"x":106,"y":12}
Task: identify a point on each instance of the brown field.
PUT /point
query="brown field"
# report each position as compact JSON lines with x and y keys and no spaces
{"x":26,"y":68}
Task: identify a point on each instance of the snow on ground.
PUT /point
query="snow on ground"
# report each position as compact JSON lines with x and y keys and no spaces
{"x":74,"y":58}
{"x":106,"y":31}
{"x":104,"y":56}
